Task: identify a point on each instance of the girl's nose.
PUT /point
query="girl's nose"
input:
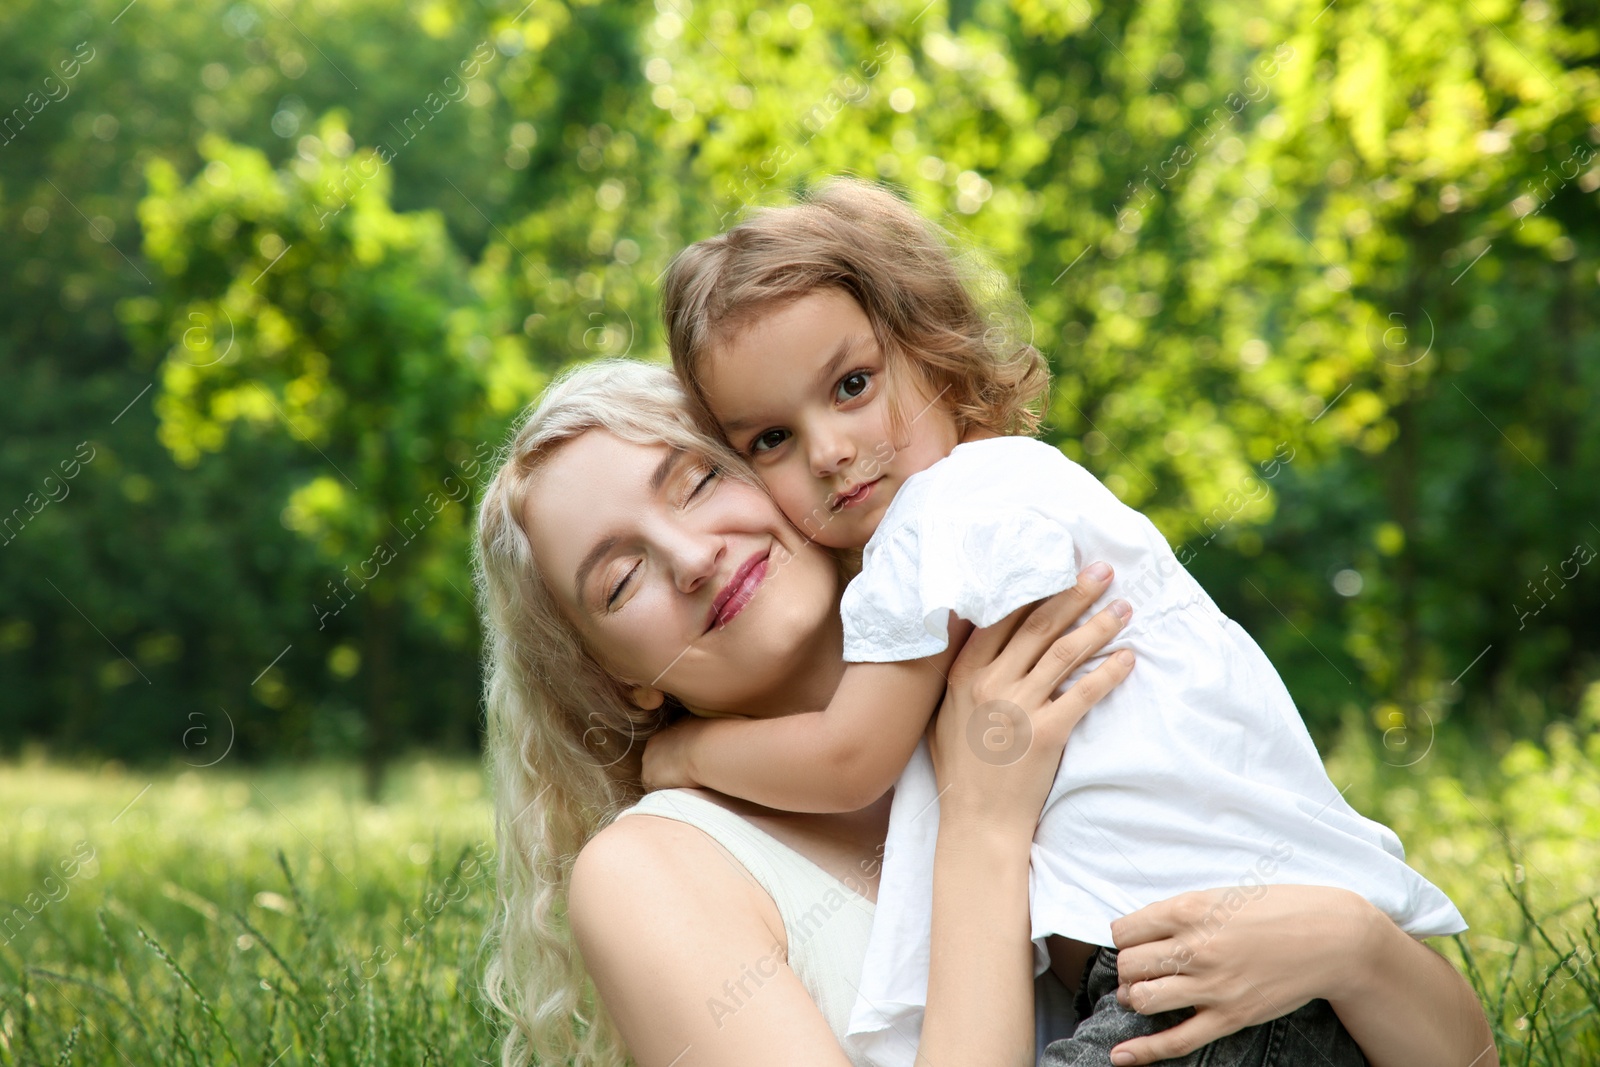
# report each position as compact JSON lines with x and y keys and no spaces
{"x":830,"y":453}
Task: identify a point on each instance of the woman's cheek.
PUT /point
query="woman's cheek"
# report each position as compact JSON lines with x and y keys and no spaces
{"x":672,"y":622}
{"x":634,"y":647}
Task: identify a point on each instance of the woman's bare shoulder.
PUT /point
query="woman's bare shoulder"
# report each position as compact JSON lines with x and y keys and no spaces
{"x":662,"y":916}
{"x":642,"y":864}
{"x":635,"y":845}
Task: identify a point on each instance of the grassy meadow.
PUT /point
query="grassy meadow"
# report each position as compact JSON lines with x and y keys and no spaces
{"x":273,"y":916}
{"x":217,"y":916}
{"x":1514,"y":838}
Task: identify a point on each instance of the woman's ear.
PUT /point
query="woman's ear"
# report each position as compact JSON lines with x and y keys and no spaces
{"x":646,"y":698}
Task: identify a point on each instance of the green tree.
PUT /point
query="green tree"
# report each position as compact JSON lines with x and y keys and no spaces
{"x":1316,"y":282}
{"x":298,"y":301}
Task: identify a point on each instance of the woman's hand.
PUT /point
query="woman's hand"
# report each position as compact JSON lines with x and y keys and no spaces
{"x":997,"y":739}
{"x":1238,"y":956}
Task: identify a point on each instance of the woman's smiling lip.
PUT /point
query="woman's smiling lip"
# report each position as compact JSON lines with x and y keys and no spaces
{"x":855,"y":496}
{"x":738,"y":592}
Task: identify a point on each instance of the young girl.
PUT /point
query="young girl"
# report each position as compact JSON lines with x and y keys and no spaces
{"x":839,"y":347}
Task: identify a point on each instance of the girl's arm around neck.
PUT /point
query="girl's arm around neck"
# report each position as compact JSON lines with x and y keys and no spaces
{"x":836,"y":760}
{"x":670,"y":932}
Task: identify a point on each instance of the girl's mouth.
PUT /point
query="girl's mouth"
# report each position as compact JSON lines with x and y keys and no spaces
{"x":855,"y":496}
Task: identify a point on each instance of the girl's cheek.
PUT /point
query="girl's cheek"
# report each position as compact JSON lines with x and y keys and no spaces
{"x":778,"y":486}
{"x":797,"y":502}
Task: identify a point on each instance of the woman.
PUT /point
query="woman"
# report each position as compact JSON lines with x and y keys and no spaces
{"x":608,"y":493}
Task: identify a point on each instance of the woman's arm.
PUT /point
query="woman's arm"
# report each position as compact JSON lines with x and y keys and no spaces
{"x":980,"y":981}
{"x":1241,"y":957}
{"x":1406,"y":1005}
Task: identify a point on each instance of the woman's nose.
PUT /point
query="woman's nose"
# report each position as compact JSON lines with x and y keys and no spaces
{"x":695,"y":557}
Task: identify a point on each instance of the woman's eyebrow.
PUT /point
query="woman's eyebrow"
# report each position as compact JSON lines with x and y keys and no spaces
{"x":664,"y":469}
{"x":605,"y":545}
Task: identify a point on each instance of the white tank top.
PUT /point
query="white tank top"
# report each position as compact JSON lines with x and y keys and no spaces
{"x":826,"y":922}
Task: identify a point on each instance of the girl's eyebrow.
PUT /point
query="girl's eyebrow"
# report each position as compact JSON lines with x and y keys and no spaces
{"x":847,"y":347}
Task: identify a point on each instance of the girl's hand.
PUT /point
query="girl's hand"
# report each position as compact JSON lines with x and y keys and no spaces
{"x":666,"y":756}
{"x":997,"y":739}
{"x":1238,"y":956}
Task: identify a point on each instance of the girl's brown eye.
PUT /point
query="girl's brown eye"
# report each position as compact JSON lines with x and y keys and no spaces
{"x":767,"y":440}
{"x":852,"y":385}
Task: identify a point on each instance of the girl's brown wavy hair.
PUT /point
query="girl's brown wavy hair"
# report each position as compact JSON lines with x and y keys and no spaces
{"x":936,"y":313}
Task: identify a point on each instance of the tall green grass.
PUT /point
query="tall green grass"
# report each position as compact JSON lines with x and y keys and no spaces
{"x":227,"y":918}
{"x":217,"y":916}
{"x":1514,"y":839}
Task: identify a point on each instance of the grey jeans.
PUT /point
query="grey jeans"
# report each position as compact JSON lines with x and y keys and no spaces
{"x":1311,"y":1036}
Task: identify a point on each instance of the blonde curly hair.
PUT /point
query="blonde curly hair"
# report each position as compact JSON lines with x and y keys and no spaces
{"x":940,"y":315}
{"x":564,"y":743}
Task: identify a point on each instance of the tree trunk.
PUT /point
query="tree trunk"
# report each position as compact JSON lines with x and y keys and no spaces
{"x":379,"y":656}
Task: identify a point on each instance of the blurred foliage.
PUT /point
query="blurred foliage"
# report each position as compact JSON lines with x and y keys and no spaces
{"x":1317,"y":282}
{"x":1515,"y":842}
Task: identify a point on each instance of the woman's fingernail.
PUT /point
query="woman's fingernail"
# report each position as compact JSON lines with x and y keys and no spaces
{"x":1121,"y":1058}
{"x":1099,"y":571}
{"x":1122,"y":608}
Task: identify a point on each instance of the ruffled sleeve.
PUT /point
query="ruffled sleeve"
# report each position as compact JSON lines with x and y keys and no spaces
{"x":966,"y":541}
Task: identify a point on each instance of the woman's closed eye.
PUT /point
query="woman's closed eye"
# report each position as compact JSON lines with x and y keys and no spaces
{"x":699,"y":481}
{"x":616,"y":590}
